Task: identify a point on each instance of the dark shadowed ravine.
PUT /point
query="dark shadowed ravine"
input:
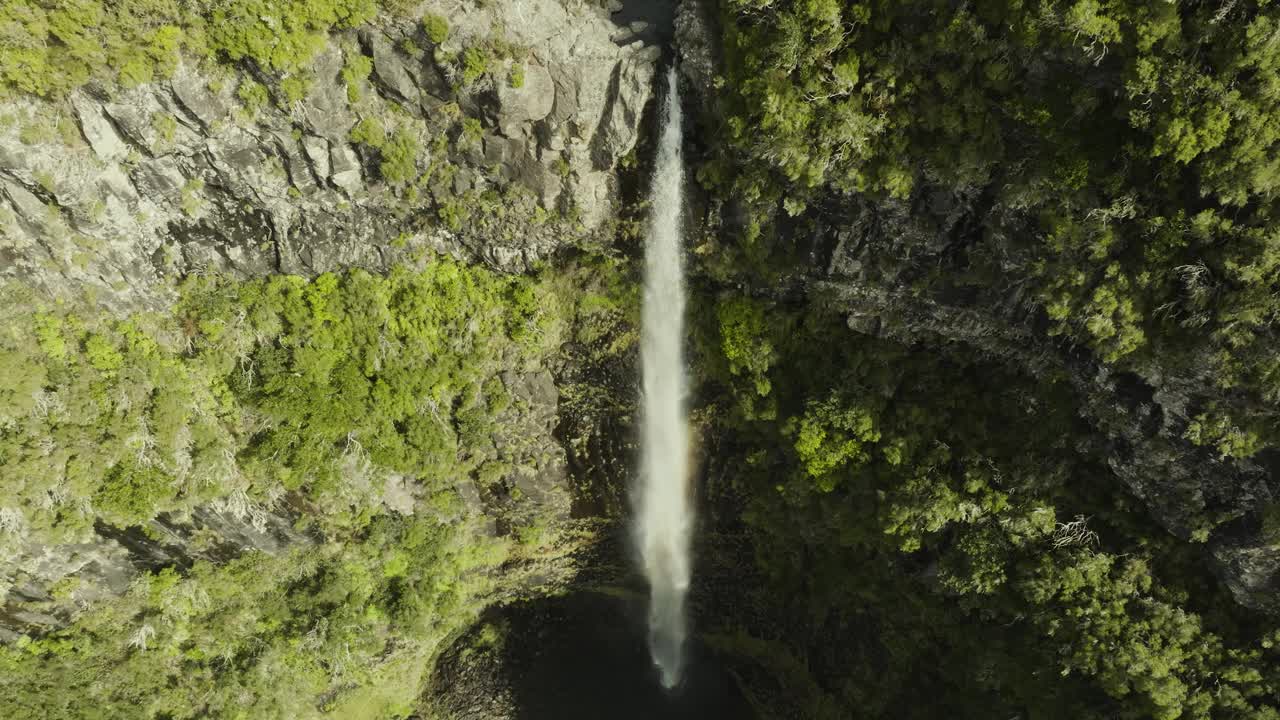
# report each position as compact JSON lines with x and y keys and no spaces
{"x":580,"y":657}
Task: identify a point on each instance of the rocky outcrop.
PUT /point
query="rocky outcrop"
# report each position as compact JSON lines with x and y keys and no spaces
{"x":864,"y":259}
{"x":1141,"y":415}
{"x":196,"y":174}
{"x":44,"y":586}
{"x":695,"y":39}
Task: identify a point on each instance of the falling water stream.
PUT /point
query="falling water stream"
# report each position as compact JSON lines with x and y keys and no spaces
{"x":664,"y":508}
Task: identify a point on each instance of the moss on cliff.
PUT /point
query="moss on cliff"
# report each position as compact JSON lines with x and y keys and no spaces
{"x":319,"y":401}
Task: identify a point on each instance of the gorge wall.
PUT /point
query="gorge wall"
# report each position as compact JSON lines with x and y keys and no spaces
{"x":402,"y":147}
{"x":207,"y":172}
{"x":324,"y":367}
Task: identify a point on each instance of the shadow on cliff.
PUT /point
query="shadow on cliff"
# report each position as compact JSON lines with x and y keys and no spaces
{"x":578,"y":657}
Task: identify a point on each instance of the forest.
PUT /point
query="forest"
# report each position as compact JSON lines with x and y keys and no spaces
{"x":979,"y":292}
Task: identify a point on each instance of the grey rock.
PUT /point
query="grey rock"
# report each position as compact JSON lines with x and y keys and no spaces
{"x":390,"y":69}
{"x":565,"y":107}
{"x":29,"y":207}
{"x":325,"y":109}
{"x":345,"y":166}
{"x":136,"y":114}
{"x":296,"y":163}
{"x":98,"y":130}
{"x":113,"y":184}
{"x":159,"y":178}
{"x":504,"y":153}
{"x":248,"y":166}
{"x":434,"y":88}
{"x":464,"y":180}
{"x":592,"y":197}
{"x":620,"y":126}
{"x":506,"y":259}
{"x":530,"y":102}
{"x":1251,"y":570}
{"x":317,"y":150}
{"x":540,"y":178}
{"x":192,"y":93}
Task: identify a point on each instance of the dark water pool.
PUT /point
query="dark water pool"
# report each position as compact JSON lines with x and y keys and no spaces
{"x":658,"y":14}
{"x":584,"y":657}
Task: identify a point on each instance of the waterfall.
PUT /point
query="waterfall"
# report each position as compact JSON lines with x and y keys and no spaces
{"x":664,"y":508}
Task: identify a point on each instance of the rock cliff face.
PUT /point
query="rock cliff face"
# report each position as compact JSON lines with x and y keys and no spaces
{"x":191,"y":175}
{"x":194,"y":175}
{"x":1140,"y":418}
{"x":864,"y":258}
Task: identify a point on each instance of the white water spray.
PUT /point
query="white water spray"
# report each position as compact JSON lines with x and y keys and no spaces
{"x":665,"y":510}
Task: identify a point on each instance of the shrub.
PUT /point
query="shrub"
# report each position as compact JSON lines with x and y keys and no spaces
{"x":436,"y":27}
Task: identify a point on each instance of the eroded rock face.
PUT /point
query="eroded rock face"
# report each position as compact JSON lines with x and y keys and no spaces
{"x":696,"y":43}
{"x":1141,"y":416}
{"x":181,"y":176}
{"x":44,"y":586}
{"x":861,"y":261}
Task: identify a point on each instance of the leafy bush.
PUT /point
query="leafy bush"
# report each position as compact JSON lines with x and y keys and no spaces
{"x":400,"y":158}
{"x":48,"y":48}
{"x":436,"y":27}
{"x":475,"y":63}
{"x":369,"y":131}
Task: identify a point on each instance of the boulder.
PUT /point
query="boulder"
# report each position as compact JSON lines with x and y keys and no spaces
{"x":530,"y":102}
{"x":192,"y":93}
{"x":98,"y":130}
{"x":695,"y":43}
{"x":345,"y":166}
{"x":619,"y":127}
{"x":317,"y":150}
{"x":390,"y":70}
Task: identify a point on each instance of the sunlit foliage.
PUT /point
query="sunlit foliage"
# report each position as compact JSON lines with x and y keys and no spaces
{"x":1119,"y":159}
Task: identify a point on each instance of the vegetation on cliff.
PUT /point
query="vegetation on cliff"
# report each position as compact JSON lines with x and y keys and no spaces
{"x":1109,"y":168}
{"x":48,"y":47}
{"x":1117,"y":158}
{"x":938,"y":532}
{"x":317,"y":400}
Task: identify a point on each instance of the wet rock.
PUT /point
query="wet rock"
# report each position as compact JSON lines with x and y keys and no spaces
{"x":695,"y":43}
